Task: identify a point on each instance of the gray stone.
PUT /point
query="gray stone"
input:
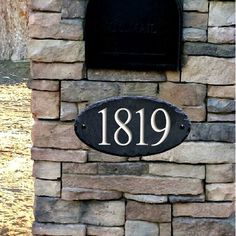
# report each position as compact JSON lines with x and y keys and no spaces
{"x":46,"y":5}
{"x":207,"y":49}
{"x":194,"y":35}
{"x":146,"y":198}
{"x":185,"y":198}
{"x":95,"y":156}
{"x":195,"y":20}
{"x":165,"y":229}
{"x":47,"y":188}
{"x":203,"y":227}
{"x":141,"y":228}
{"x":104,"y":231}
{"x":221,"y":13}
{"x":209,"y":70}
{"x":80,"y":91}
{"x":69,"y":111}
{"x":221,"y":34}
{"x":122,"y":168}
{"x":217,"y":105}
{"x":77,"y":168}
{"x":221,"y":91}
{"x":196,"y":5}
{"x":223,"y":132}
{"x":220,"y":117}
{"x":44,"y":85}
{"x":74,"y":8}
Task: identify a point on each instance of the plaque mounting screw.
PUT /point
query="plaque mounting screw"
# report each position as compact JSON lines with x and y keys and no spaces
{"x":182,"y":126}
{"x":83,"y":126}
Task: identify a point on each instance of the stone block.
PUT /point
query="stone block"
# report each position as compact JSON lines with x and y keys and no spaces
{"x":80,"y":91}
{"x":69,"y":111}
{"x":165,"y":229}
{"x":104,"y":231}
{"x":221,"y":35}
{"x":46,"y":5}
{"x":148,"y":212}
{"x":140,"y":228}
{"x":173,"y":76}
{"x":195,"y":113}
{"x":95,"y":156}
{"x":220,"y":192}
{"x":182,"y":94}
{"x":209,"y":70}
{"x":48,"y":154}
{"x":193,"y":5}
{"x":196,"y":153}
{"x":194,"y":35}
{"x":221,"y":13}
{"x":223,"y":132}
{"x":122,"y":168}
{"x":217,"y":105}
{"x":202,"y":227}
{"x":187,"y":198}
{"x":58,"y":71}
{"x":212,"y":210}
{"x":56,"y":50}
{"x":47,"y":170}
{"x":44,"y":85}
{"x":45,"y":105}
{"x":195,"y":20}
{"x":211,"y":117}
{"x":219,"y":173}
{"x":221,"y":91}
{"x":135,"y":184}
{"x":59,"y":229}
{"x":74,"y":8}
{"x":49,"y":25}
{"x":177,"y":170}
{"x":146,"y":198}
{"x":47,"y":188}
{"x":89,"y":194}
{"x":77,"y":168}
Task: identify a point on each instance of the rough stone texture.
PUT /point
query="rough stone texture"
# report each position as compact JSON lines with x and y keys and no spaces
{"x":202,"y":227}
{"x":110,"y":213}
{"x":122,"y":168}
{"x":207,"y":49}
{"x":69,"y":111}
{"x":89,"y":194}
{"x":124,"y":75}
{"x":80,"y":91}
{"x":74,"y":8}
{"x":56,"y":50}
{"x":105,"y":231}
{"x":197,"y":152}
{"x":46,"y":5}
{"x":183,"y":94}
{"x":135,"y":184}
{"x":209,"y":70}
{"x":95,"y":156}
{"x":195,"y":113}
{"x":47,"y":154}
{"x":221,"y":91}
{"x":140,"y":228}
{"x":59,"y":229}
{"x":55,"y":135}
{"x":198,"y":198}
{"x":194,"y":35}
{"x":219,"y":173}
{"x":217,"y":105}
{"x":177,"y":170}
{"x":47,"y":170}
{"x":220,"y":117}
{"x":146,"y":198}
{"x":44,"y":85}
{"x":195,"y":20}
{"x":148,"y":212}
{"x":59,"y":71}
{"x":220,"y":192}
{"x":47,"y":188}
{"x":223,"y":132}
{"x":165,"y":229}
{"x":45,"y":105}
{"x":76,"y":168}
{"x":221,"y":13}
{"x":50,"y":25}
{"x":195,"y":5}
{"x":212,"y":210}
{"x":221,"y":35}
{"x":173,"y":76}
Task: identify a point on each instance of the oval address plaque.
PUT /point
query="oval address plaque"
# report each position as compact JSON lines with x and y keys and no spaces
{"x":132,"y":126}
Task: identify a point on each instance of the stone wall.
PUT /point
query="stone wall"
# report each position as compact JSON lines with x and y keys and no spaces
{"x":188,"y":190}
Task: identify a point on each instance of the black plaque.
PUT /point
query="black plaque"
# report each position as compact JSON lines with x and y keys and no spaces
{"x":132,"y":126}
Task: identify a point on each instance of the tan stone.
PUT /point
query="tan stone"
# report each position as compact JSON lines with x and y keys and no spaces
{"x":44,"y":85}
{"x":47,"y":154}
{"x":146,"y":198}
{"x":45,"y":105}
{"x":195,"y":113}
{"x":220,"y":192}
{"x":47,"y":188}
{"x":76,"y":168}
{"x":56,"y":50}
{"x":195,"y":20}
{"x":221,"y":34}
{"x":209,"y":70}
{"x":95,"y":156}
{"x":135,"y":184}
{"x":59,"y":71}
{"x":221,"y":91}
{"x":46,"y":5}
{"x":104,"y":231}
{"x":173,"y":76}
{"x":47,"y":170}
{"x":165,"y":229}
{"x":220,"y":117}
{"x":177,"y":170}
{"x":148,"y":212}
{"x":213,"y":210}
{"x":69,"y":111}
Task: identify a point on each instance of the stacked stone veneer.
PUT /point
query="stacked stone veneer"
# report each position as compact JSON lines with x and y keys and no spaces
{"x":188,"y":190}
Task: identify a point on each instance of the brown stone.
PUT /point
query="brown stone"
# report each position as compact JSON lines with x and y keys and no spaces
{"x":173,"y":76}
{"x":76,"y":168}
{"x":195,"y":20}
{"x":94,"y":156}
{"x":221,"y":91}
{"x":69,"y":111}
{"x":104,"y":231}
{"x":148,"y":212}
{"x":45,"y":105}
{"x":47,"y":154}
{"x":44,"y":85}
{"x":195,"y":113}
{"x":59,"y":71}
{"x":47,"y":188}
{"x":46,"y":5}
{"x":220,"y":117}
{"x":213,"y":210}
{"x":165,"y":229}
{"x":135,"y":184}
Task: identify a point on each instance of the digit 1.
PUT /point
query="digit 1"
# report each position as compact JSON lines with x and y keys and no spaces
{"x":141,"y":128}
{"x":104,"y":127}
